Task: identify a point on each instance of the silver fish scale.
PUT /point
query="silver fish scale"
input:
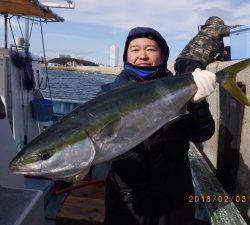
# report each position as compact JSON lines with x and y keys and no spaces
{"x":130,"y":129}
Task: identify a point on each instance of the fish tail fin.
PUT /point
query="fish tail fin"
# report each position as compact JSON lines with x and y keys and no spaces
{"x":227,"y":79}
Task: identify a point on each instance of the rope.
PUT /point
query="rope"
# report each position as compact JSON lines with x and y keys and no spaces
{"x":45,"y":62}
{"x":13,"y":34}
{"x":23,"y":110}
{"x":31,"y":28}
{"x":20,"y":27}
{"x":59,"y":190}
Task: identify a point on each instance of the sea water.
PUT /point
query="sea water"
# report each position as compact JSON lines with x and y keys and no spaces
{"x":73,"y":85}
{"x":77,"y":86}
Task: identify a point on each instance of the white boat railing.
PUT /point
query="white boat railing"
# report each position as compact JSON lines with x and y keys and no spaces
{"x":64,"y":106}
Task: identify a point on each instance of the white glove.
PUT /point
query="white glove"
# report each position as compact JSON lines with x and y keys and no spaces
{"x":206,"y":83}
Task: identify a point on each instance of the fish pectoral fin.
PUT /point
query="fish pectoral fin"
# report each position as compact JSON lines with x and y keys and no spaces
{"x":82,"y":174}
{"x":77,"y":177}
{"x":109,"y":131}
{"x":183,"y":111}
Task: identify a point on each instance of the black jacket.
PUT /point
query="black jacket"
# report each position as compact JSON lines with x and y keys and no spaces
{"x":156,"y":177}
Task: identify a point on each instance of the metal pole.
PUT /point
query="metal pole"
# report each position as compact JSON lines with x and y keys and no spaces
{"x":26,"y":34}
{"x":6,"y":31}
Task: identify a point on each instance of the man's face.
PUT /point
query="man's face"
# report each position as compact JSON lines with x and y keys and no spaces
{"x":144,"y":52}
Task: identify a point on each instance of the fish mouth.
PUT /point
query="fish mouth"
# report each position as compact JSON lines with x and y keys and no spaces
{"x":13,"y":166}
{"x":16,"y":168}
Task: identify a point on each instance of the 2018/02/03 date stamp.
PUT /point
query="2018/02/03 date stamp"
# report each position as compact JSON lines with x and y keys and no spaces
{"x":217,"y":198}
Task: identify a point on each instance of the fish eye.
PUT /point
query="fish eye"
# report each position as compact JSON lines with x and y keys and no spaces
{"x":44,"y":155}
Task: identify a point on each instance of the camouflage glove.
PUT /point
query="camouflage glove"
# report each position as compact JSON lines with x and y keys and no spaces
{"x":206,"y":83}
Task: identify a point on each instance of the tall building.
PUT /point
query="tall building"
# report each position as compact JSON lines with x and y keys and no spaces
{"x":114,"y":56}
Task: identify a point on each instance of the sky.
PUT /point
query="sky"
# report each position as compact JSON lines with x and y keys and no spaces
{"x":93,"y":26}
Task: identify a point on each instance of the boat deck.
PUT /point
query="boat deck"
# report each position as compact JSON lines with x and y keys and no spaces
{"x":84,"y":205}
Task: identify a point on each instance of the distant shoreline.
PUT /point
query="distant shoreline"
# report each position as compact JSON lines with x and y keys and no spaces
{"x":88,"y":69}
{"x":96,"y":69}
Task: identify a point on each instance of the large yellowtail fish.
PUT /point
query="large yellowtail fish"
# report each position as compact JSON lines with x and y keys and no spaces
{"x":112,"y":123}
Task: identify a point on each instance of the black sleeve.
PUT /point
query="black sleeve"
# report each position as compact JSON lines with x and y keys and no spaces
{"x":198,"y":123}
{"x":121,"y":79}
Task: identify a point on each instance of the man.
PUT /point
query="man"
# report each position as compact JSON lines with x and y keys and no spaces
{"x":152,"y":185}
{"x":206,"y":47}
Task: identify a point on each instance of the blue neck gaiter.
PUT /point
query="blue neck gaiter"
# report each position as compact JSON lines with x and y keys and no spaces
{"x":141,"y":71}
